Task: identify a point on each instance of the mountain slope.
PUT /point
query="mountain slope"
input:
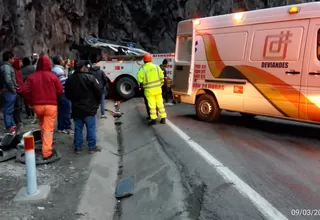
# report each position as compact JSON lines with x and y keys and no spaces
{"x":29,"y":26}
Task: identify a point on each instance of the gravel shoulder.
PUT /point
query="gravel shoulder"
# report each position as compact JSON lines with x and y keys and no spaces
{"x":72,"y":180}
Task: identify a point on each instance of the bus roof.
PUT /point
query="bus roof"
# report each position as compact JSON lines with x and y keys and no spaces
{"x":305,"y":10}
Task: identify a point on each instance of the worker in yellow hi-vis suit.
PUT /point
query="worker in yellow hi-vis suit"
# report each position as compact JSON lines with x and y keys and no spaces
{"x":151,"y":77}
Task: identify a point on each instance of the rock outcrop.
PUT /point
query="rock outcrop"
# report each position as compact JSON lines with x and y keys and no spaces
{"x":48,"y":26}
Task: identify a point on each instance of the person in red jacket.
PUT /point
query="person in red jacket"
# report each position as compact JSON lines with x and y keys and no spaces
{"x":19,"y":79}
{"x":41,"y":91}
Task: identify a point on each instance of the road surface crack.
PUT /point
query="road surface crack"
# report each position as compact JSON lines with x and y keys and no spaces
{"x":142,"y":146}
{"x":194,"y":189}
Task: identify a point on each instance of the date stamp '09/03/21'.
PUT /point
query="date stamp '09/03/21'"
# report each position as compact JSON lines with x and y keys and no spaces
{"x":305,"y":212}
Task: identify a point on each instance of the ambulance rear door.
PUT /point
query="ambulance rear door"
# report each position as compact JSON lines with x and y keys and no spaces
{"x":184,"y":58}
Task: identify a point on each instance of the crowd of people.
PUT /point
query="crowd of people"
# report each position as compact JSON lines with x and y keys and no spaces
{"x":49,"y":91}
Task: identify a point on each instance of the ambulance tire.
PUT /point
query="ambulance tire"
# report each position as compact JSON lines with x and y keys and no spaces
{"x":207,"y":108}
{"x":126,"y":88}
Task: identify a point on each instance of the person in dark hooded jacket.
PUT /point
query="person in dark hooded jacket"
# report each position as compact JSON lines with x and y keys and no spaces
{"x":103,"y":81}
{"x":41,"y":91}
{"x":26,"y":70}
{"x":19,"y":99}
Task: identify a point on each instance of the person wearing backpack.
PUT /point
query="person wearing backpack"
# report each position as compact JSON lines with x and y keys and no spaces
{"x":9,"y":88}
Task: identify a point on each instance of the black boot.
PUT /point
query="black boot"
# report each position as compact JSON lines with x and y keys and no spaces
{"x":152,"y":122}
{"x":148,"y":118}
{"x":163,"y":121}
{"x":49,"y":157}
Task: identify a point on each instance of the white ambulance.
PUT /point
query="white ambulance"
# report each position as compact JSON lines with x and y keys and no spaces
{"x":263,"y":62}
{"x":122,"y":72}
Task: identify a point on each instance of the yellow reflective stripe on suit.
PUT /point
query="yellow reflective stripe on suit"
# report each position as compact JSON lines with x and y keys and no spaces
{"x":153,"y":82}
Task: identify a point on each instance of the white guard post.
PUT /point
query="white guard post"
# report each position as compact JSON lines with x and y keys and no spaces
{"x":31,"y":193}
{"x":30,"y":158}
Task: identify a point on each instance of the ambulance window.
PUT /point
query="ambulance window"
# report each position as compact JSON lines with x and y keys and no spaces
{"x":184,"y":48}
{"x":318,"y":45}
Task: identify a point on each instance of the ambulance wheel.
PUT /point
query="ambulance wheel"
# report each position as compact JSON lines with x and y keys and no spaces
{"x":126,"y":88}
{"x":207,"y":108}
{"x":248,"y":116}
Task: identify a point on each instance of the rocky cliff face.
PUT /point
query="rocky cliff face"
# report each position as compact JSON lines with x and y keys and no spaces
{"x":48,"y":26}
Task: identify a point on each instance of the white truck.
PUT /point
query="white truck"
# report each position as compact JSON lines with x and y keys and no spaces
{"x":264,"y":62}
{"x":122,"y":72}
{"x":121,"y":62}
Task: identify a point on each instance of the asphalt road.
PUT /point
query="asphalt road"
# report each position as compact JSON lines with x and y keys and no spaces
{"x":278,"y":159}
{"x":259,"y":169}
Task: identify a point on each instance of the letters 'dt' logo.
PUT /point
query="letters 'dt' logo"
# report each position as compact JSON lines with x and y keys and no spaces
{"x":276,"y":46}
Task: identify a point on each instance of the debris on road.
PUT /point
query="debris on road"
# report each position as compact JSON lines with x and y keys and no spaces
{"x":125,"y":187}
